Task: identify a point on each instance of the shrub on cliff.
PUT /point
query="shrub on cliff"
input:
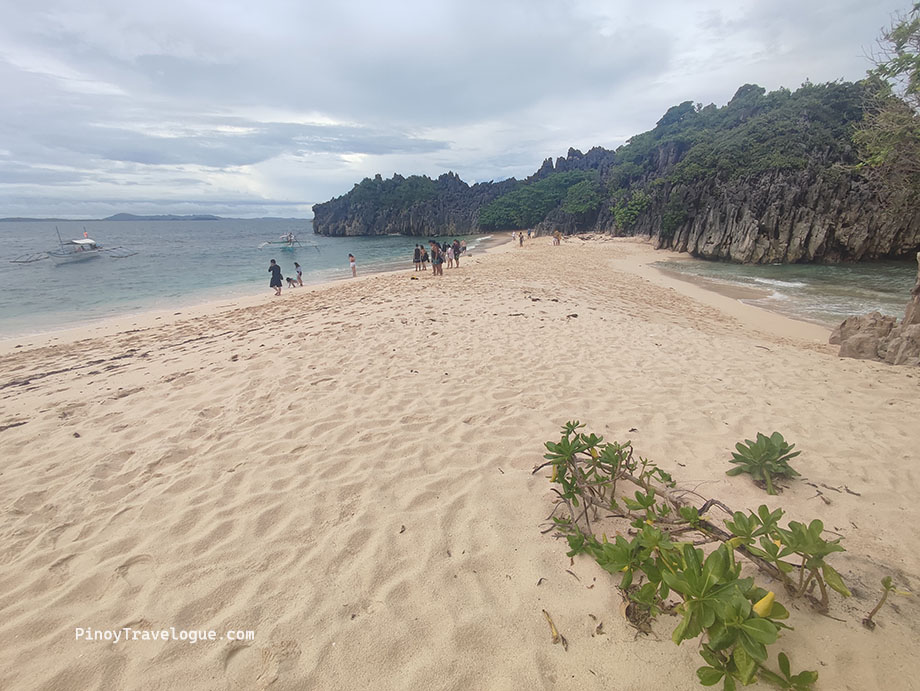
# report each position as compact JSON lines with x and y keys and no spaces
{"x":527,"y":205}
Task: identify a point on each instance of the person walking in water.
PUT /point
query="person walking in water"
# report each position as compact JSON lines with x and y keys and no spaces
{"x":353,"y":265}
{"x":275,"y":281}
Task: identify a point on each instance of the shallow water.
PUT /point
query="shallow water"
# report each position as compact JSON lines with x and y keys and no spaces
{"x":825,"y":294}
{"x":177,"y":263}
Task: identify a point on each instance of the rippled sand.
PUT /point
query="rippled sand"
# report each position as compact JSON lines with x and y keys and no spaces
{"x":346,"y":471}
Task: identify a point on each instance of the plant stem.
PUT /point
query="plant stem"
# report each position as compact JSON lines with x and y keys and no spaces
{"x":769,"y":481}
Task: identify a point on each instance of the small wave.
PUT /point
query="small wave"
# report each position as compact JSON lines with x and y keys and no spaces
{"x":779,"y":283}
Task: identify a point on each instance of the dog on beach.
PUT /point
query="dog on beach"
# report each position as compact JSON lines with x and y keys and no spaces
{"x":292,"y":282}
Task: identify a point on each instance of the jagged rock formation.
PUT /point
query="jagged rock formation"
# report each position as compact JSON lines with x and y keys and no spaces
{"x":812,"y":215}
{"x":446,"y":206}
{"x":876,"y":337}
{"x":766,"y":178}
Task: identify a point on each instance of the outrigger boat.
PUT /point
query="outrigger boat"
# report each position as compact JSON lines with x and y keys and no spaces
{"x":73,"y":251}
{"x":285,"y":242}
{"x":288,"y":241}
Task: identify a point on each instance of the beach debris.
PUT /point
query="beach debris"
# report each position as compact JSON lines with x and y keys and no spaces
{"x":76,"y":435}
{"x":540,"y":581}
{"x":599,"y":630}
{"x":557,"y":637}
{"x":402,"y":530}
{"x":571,"y":316}
{"x":15,"y":423}
{"x":573,"y":574}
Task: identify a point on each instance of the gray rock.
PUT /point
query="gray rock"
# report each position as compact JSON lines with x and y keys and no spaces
{"x":874,"y":324}
{"x":876,"y":337}
{"x":904,"y":346}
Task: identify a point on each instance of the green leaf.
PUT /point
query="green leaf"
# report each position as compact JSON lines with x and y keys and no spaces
{"x":678,"y":634}
{"x":760,"y":630}
{"x":783,"y":664}
{"x":755,"y":649}
{"x":735,"y":471}
{"x":745,"y":664}
{"x":833,"y":579}
{"x":804,"y":680}
{"x":709,"y":676}
{"x":711,"y":658}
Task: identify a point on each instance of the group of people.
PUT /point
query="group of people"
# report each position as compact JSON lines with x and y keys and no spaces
{"x":277,"y":279}
{"x":440,"y":253}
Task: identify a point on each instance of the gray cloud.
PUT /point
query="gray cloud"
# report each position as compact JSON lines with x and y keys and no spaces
{"x":279,"y":104}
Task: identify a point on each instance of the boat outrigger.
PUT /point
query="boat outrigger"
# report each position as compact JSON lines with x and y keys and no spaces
{"x":286,"y":242}
{"x":73,"y":251}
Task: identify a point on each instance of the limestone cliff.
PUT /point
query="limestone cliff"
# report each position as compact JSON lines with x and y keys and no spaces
{"x":765,"y":178}
{"x":446,"y":206}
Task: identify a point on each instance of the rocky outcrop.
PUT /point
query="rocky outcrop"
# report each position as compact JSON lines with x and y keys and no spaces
{"x":876,"y":337}
{"x":812,"y":215}
{"x":453,"y":209}
{"x":766,"y":178}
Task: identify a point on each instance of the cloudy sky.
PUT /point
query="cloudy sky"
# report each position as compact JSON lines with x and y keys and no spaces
{"x":265,"y":107}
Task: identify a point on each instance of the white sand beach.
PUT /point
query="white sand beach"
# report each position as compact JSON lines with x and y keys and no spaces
{"x":346,"y":472}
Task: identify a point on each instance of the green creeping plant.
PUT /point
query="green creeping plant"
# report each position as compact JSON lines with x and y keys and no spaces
{"x":732,"y":619}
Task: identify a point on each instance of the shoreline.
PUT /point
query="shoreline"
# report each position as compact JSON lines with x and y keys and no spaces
{"x":149,"y":318}
{"x":706,"y":292}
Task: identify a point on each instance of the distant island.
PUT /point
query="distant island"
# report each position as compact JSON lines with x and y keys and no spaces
{"x":158,"y":217}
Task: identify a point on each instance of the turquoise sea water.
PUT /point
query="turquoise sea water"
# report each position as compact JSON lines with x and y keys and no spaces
{"x":177,"y":263}
{"x":823,"y":294}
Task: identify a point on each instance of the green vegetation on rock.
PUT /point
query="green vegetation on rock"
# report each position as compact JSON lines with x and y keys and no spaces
{"x":529,"y":203}
{"x":395,"y":193}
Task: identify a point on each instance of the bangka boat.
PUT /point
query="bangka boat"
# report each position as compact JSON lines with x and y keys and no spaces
{"x":79,"y":250}
{"x":73,"y":251}
{"x":285,"y":242}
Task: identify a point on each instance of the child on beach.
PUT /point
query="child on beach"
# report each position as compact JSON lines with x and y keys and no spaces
{"x":354,"y":267}
{"x":275,"y":281}
{"x":424,"y":258}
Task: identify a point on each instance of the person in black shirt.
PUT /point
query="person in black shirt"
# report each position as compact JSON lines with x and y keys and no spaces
{"x":275,"y":282}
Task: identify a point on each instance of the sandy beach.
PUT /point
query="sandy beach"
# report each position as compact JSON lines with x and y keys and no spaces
{"x":345,"y":471}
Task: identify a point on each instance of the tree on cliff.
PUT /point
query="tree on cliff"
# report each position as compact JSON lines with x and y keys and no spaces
{"x":888,"y":140}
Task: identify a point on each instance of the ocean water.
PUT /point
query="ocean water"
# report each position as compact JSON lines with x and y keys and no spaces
{"x":178,"y":263}
{"x":825,"y":294}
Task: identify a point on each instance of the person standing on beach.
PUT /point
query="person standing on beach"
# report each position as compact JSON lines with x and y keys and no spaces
{"x":457,"y":253}
{"x":424,"y":257}
{"x":521,"y":239}
{"x":450,"y":256}
{"x":299,"y":274}
{"x":353,"y":265}
{"x":275,"y":281}
{"x":417,"y":257}
{"x":436,"y":259}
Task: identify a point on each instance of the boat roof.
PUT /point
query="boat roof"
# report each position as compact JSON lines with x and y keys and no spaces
{"x":83,"y":241}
